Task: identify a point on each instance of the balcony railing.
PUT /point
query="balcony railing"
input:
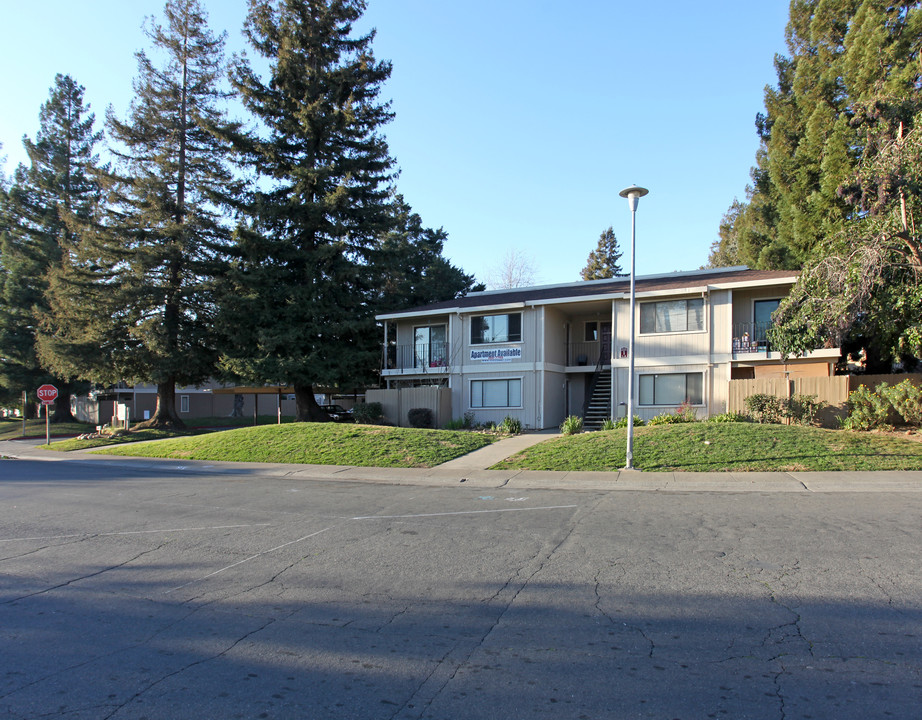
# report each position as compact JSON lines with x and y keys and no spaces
{"x":425,"y":357}
{"x":751,"y":337}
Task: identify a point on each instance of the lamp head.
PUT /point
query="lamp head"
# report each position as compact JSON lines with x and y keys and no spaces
{"x":633,"y":194}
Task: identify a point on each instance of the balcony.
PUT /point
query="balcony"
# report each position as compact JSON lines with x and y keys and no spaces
{"x":587,"y":353}
{"x":751,"y":338}
{"x":427,"y":357}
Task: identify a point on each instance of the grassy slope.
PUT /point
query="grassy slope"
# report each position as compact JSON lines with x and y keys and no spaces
{"x":11,"y":429}
{"x":731,"y":447}
{"x":317,"y":443}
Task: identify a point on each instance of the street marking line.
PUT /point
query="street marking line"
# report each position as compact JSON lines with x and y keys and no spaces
{"x":252,"y":557}
{"x":460,"y":512}
{"x":133,"y":532}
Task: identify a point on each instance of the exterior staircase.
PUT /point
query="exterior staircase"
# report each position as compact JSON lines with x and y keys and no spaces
{"x":598,"y":409}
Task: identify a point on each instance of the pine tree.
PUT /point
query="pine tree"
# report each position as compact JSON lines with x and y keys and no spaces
{"x":603,"y":261}
{"x":141,"y":290}
{"x":57,"y":184}
{"x":298,"y":310}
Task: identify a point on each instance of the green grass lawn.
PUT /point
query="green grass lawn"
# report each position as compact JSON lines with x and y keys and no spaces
{"x":317,"y":443}
{"x":11,"y":429}
{"x":707,"y":447}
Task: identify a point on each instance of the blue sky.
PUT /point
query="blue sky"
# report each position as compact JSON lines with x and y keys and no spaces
{"x":517,"y":121}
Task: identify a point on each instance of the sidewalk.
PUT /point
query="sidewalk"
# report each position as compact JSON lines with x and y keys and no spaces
{"x":469,"y":471}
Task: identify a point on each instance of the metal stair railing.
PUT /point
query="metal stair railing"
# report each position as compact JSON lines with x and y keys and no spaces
{"x":592,"y":384}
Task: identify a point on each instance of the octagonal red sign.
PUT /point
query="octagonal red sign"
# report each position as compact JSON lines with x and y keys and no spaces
{"x":47,"y":394}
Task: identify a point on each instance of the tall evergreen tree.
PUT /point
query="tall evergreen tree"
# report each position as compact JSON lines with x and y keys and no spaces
{"x":842,"y":55}
{"x":141,"y":290}
{"x":57,"y":184}
{"x":298,"y":310}
{"x":864,"y":291}
{"x":603,"y":261}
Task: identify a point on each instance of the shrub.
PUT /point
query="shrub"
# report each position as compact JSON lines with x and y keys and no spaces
{"x":803,"y":409}
{"x":573,"y":425}
{"x":868,"y":409}
{"x":511,"y":425}
{"x":884,"y":407}
{"x":765,"y":408}
{"x":729,"y":417}
{"x":420,"y":418}
{"x":368,"y":413}
{"x":906,"y":400}
{"x":456,"y":424}
{"x":685,"y":414}
{"x":607,"y":424}
{"x":622,"y":422}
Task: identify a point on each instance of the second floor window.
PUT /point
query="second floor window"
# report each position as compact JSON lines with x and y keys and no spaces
{"x":672,"y":316}
{"x":496,"y":328}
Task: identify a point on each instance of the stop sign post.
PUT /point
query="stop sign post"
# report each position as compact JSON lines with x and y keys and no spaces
{"x":47,"y":394}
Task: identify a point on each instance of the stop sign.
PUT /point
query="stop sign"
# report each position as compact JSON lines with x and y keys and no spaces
{"x":47,"y":394}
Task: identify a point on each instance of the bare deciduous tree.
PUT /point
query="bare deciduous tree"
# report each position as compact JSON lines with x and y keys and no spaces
{"x":516,"y":269}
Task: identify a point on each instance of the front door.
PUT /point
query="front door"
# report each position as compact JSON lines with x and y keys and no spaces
{"x":606,"y":343}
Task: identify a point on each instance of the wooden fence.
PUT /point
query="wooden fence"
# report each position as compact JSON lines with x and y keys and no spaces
{"x":397,"y":403}
{"x":832,"y":390}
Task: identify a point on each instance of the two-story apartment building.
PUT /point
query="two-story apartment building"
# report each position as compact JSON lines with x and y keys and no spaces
{"x":543,"y":353}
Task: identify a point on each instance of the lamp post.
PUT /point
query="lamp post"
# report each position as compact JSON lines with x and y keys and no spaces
{"x":633,"y":194}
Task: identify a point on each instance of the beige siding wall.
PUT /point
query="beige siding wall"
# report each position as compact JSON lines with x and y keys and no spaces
{"x":555,"y":336}
{"x":555,"y":400}
{"x":720,"y":305}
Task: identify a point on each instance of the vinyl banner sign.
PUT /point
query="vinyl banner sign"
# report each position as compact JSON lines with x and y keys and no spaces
{"x":497,"y":354}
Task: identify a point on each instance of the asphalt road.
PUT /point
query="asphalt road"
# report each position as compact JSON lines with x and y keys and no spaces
{"x":143,"y":593}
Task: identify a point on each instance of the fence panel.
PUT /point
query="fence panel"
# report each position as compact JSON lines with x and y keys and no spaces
{"x":831,"y":390}
{"x":742,"y":389}
{"x":390,"y":403}
{"x":398,"y":403}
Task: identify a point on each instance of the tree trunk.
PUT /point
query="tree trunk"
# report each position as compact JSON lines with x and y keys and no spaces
{"x":165,"y":416}
{"x":62,"y":411}
{"x":306,"y":407}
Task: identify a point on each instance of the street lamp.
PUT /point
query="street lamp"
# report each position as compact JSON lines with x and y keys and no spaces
{"x":633,"y":194}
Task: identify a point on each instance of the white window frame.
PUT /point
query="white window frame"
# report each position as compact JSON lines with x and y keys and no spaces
{"x":704,"y":316}
{"x":521,"y":404}
{"x":700,"y":373}
{"x":184,"y":403}
{"x":497,"y":342}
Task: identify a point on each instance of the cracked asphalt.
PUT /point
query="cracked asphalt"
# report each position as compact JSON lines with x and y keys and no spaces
{"x":153,"y":592}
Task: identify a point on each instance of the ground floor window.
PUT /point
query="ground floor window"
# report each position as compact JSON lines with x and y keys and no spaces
{"x":672,"y":389}
{"x":183,"y":403}
{"x":496,"y":393}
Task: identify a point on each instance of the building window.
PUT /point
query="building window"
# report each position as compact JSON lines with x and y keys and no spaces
{"x":592,"y":331}
{"x":762,"y":315}
{"x":431,"y":349}
{"x":672,"y":316}
{"x":496,"y":393}
{"x":183,"y":403}
{"x":672,"y":389}
{"x":496,"y":328}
